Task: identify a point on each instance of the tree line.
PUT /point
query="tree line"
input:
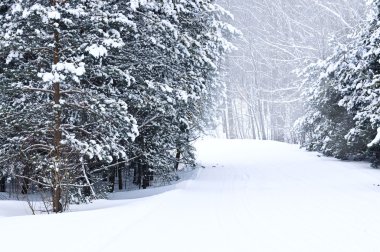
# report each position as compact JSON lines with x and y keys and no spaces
{"x":91,"y":87}
{"x":342,"y":104}
{"x":279,"y":36}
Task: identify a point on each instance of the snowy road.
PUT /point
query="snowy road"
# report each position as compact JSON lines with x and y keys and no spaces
{"x":252,"y":196}
{"x":280,"y":198}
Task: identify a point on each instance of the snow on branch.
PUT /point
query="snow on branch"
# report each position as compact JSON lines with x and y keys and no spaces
{"x":376,"y":140}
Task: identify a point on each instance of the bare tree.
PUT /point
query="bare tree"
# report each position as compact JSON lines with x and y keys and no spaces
{"x":279,"y":37}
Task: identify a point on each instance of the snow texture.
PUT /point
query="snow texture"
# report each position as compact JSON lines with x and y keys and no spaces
{"x":97,"y":51}
{"x":246,"y":199}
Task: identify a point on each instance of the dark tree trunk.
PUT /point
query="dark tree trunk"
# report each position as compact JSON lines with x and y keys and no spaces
{"x":87,"y":188}
{"x":376,"y":163}
{"x":120,"y":178}
{"x":146,"y":176}
{"x":56,"y":176}
{"x":177,"y":159}
{"x":24,"y":186}
{"x":135,"y":167}
{"x":24,"y":181}
{"x":111,"y":180}
{"x":2,"y":184}
{"x":87,"y":191}
{"x":151,"y":176}
{"x":137,"y":174}
{"x":57,"y":205}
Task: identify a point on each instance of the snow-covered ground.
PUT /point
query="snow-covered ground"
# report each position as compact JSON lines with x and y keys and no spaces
{"x":251,"y":196}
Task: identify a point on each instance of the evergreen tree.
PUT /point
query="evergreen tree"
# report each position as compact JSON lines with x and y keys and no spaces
{"x":87,"y":85}
{"x":359,"y":84}
{"x":343,"y":105}
{"x":59,"y":110}
{"x":174,"y":62}
{"x":325,"y":124}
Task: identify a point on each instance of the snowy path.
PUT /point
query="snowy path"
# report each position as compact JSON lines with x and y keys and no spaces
{"x":285,"y":199}
{"x":252,"y":196}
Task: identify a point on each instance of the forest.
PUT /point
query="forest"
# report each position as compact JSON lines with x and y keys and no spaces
{"x":93,"y":90}
{"x":96,"y":96}
{"x":306,"y":72}
{"x":190,"y":125}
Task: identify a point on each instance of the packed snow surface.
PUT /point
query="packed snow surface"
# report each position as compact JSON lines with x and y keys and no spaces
{"x":250,"y":196}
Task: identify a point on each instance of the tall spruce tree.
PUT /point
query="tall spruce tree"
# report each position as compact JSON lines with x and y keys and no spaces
{"x":59,"y":111}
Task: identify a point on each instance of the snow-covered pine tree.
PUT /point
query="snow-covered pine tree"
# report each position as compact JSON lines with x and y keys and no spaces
{"x":359,"y":85}
{"x":60,"y":109}
{"x":161,"y":58}
{"x":325,"y":123}
{"x":174,"y":61}
{"x":348,"y":80}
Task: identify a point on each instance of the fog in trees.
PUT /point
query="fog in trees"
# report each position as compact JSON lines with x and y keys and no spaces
{"x":279,"y":39}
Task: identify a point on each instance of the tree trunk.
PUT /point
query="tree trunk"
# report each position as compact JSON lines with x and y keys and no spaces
{"x":135,"y":167}
{"x":262,"y":121}
{"x":252,"y":121}
{"x":145,"y":177}
{"x":225,"y":124}
{"x":120,"y":178}
{"x":57,"y":205}
{"x":2,"y":184}
{"x":24,"y":181}
{"x":138,"y":174}
{"x":111,"y":180}
{"x":177,"y":159}
{"x":238,"y":118}
{"x":24,"y":186}
{"x":230,"y":118}
{"x":377,"y":158}
{"x":56,"y":180}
